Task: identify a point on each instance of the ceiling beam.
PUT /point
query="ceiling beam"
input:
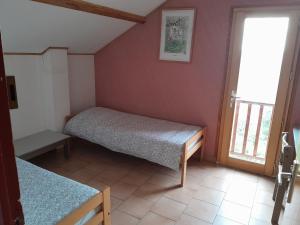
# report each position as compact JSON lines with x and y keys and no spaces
{"x":85,"y":6}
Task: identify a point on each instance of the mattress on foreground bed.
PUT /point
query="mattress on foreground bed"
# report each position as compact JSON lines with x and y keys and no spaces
{"x":47,"y":198}
{"x":156,"y":140}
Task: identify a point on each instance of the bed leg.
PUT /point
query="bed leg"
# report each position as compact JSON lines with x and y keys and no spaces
{"x":67,"y":148}
{"x":183,"y":168}
{"x":183,"y":173}
{"x":203,"y":144}
{"x":106,"y":206}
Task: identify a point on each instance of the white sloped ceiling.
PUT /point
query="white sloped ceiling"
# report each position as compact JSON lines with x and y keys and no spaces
{"x":31,"y":27}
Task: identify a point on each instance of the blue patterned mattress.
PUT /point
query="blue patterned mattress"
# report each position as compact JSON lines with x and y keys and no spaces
{"x":47,"y":197}
{"x":156,"y":140}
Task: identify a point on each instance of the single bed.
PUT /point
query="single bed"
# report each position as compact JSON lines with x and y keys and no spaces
{"x":50,"y":199}
{"x":166,"y":143}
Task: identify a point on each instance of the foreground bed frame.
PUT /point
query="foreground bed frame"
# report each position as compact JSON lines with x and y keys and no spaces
{"x":99,"y":203}
{"x":195,"y":143}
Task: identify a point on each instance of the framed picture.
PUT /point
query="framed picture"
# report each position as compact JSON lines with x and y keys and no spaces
{"x":177,"y":34}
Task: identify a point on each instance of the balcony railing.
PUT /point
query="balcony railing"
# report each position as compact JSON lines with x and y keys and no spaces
{"x":251,"y":129}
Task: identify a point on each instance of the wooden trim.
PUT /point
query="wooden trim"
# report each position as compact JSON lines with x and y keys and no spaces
{"x":21,"y":53}
{"x":236,"y":119}
{"x":284,"y":93}
{"x":283,"y":96}
{"x":68,"y":117}
{"x":41,"y":53}
{"x":258,"y":128}
{"x":91,"y":54}
{"x":233,"y":56}
{"x":268,"y":9}
{"x":107,"y":206}
{"x":10,"y":205}
{"x":100,"y":201}
{"x":93,"y":8}
{"x":190,"y":148}
{"x":294,"y":80}
{"x":35,"y":53}
{"x":247,"y":128}
{"x":183,"y":166}
{"x":44,"y":51}
{"x":54,"y":48}
{"x":79,"y":213}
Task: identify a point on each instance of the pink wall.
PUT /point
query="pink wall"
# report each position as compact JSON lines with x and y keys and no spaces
{"x":130,"y":77}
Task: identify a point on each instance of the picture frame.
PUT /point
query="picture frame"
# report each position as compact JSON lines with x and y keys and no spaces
{"x":177,"y":28}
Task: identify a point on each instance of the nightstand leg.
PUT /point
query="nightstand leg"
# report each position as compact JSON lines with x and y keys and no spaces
{"x":67,"y":150}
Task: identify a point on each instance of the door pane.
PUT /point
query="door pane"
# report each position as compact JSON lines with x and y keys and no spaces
{"x":263,"y":45}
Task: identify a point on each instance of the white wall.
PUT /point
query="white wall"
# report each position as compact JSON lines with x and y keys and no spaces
{"x":28,"y":118}
{"x":82,"y":82}
{"x":56,"y":83}
{"x":43,"y":91}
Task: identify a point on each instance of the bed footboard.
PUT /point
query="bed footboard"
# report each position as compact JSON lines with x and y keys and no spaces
{"x":100,"y":203}
{"x":190,"y":148}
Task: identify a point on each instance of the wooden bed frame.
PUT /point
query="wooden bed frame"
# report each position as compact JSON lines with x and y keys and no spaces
{"x":100,"y":203}
{"x":190,"y":148}
{"x":195,"y":143}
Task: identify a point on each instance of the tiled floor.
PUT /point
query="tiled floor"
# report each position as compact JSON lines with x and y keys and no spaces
{"x":143,"y":193}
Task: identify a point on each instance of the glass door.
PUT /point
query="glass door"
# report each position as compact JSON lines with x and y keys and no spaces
{"x":260,"y":63}
{"x":263,"y":44}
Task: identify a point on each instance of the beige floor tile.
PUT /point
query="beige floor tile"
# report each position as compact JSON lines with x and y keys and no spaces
{"x":96,"y":184}
{"x":74,"y":165}
{"x":235,"y":212}
{"x":84,"y":175}
{"x":164,"y":181}
{"x":120,"y":218}
{"x":254,"y":221}
{"x":183,"y":195}
{"x":248,"y":185}
{"x":99,"y":166}
{"x":224,"y":221}
{"x":132,"y":179}
{"x":137,"y":207}
{"x":193,"y":183}
{"x":287,"y":221}
{"x":150,"y":192}
{"x":61,"y":171}
{"x":154,"y":219}
{"x":168,"y":208}
{"x":202,"y":210}
{"x":190,"y":220}
{"x":112,"y":174}
{"x":136,"y":178}
{"x":242,"y":192}
{"x":209,"y":195}
{"x":122,"y":190}
{"x":262,"y":212}
{"x":216,"y":183}
{"x":115,"y":203}
{"x":264,"y":197}
{"x":292,"y":211}
{"x":170,"y":172}
{"x":224,"y":173}
{"x":266,"y":184}
{"x":241,"y":175}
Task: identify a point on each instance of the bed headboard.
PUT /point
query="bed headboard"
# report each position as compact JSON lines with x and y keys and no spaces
{"x":68,"y":117}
